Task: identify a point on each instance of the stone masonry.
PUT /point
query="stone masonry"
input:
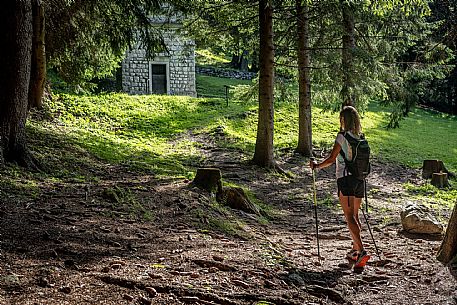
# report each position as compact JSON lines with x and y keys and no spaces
{"x":179,"y":62}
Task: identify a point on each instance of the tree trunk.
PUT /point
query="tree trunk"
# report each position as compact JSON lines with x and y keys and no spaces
{"x":263,"y":155}
{"x":235,"y":61}
{"x":304,"y":83}
{"x":347,"y":92}
{"x":448,"y":249}
{"x":244,"y":61}
{"x":15,"y":63}
{"x":38,"y":73}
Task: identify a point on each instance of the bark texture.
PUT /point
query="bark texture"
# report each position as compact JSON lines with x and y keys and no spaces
{"x":263,"y":155}
{"x":15,"y":63}
{"x":304,"y":146}
{"x":347,"y":91}
{"x":448,"y":249}
{"x":38,"y":68}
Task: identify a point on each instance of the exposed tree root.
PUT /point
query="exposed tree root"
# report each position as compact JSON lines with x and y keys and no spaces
{"x":24,"y":158}
{"x":204,"y":295}
{"x":280,"y":170}
{"x":320,"y":291}
{"x":208,"y":264}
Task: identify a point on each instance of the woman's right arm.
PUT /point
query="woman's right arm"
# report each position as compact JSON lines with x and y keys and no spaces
{"x":329,"y":160}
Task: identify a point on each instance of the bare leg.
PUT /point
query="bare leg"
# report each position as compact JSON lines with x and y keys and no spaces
{"x":348,"y":203}
{"x":357,"y":204}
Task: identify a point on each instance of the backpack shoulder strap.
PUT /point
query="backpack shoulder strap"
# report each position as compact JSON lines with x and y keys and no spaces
{"x":345,"y":135}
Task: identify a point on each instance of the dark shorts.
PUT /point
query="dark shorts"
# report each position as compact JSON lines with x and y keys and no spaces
{"x":350,"y":186}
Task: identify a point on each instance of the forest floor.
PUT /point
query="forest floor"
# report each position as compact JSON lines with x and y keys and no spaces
{"x":133,"y":239}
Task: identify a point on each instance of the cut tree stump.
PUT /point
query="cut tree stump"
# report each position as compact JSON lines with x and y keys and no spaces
{"x":209,"y":179}
{"x":235,"y":198}
{"x":440,"y":180}
{"x":432,"y":166}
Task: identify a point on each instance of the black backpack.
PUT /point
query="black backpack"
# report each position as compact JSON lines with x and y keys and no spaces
{"x":359,"y":166}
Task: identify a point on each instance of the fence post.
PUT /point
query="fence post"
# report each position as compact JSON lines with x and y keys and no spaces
{"x":226,"y":94}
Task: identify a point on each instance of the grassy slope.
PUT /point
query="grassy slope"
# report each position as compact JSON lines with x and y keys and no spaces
{"x":208,"y":86}
{"x":128,"y":129}
{"x":423,"y":135}
{"x":144,"y":133}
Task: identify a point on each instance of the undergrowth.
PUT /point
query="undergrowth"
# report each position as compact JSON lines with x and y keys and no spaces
{"x":432,"y":195}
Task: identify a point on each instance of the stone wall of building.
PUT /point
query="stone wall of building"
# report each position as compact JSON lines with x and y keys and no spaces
{"x":180,"y":61}
{"x":225,"y":73}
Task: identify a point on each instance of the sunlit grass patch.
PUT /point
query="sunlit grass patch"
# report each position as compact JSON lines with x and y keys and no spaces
{"x":430,"y":194}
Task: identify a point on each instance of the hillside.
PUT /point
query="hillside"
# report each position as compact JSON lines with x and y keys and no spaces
{"x":114,"y":219}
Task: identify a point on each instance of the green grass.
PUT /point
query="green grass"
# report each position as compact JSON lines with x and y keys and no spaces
{"x":432,"y":195}
{"x":422,"y":135}
{"x":145,"y":132}
{"x":209,"y":86}
{"x":141,"y":132}
{"x":207,"y":58}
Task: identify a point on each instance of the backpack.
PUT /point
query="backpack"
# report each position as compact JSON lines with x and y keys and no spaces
{"x":359,"y":166}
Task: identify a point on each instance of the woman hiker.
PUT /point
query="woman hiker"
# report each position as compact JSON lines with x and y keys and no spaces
{"x":350,"y":189}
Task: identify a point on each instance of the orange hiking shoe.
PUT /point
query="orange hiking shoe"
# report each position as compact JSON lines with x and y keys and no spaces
{"x":362,"y":259}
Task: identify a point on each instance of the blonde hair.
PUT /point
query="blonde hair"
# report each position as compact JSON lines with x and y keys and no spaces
{"x":351,"y":120}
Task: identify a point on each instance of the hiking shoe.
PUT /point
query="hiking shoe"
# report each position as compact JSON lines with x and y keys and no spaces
{"x":362,"y":259}
{"x":352,"y":255}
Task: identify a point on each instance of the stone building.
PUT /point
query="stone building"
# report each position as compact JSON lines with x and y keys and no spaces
{"x":171,"y":72}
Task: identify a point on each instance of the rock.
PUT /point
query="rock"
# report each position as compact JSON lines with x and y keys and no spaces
{"x":128,"y":297}
{"x":116,"y":266}
{"x":416,"y":218}
{"x":218,"y":258}
{"x":151,"y":291}
{"x":10,"y":279}
{"x":43,"y":282}
{"x":295,"y":279}
{"x":65,"y":289}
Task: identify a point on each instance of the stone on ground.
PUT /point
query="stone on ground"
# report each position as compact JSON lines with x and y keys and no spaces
{"x":416,"y":218}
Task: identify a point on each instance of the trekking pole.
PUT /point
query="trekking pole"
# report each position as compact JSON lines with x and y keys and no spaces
{"x":366,"y":219}
{"x":365,"y":191}
{"x":315,"y":211}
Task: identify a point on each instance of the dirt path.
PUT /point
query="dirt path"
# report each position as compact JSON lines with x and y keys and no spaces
{"x":131,"y":239}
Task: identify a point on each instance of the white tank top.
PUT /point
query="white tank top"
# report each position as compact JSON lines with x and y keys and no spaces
{"x":346,"y":148}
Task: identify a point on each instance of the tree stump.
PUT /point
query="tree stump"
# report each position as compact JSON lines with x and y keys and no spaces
{"x":209,"y":179}
{"x":448,"y":249}
{"x":235,"y":198}
{"x":432,"y":166}
{"x":440,"y":180}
